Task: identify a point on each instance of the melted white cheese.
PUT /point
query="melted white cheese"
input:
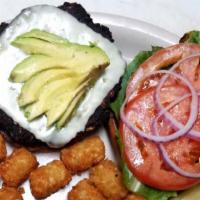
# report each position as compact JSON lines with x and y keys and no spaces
{"x":56,"y":21}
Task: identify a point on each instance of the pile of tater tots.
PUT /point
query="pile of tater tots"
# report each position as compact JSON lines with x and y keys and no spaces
{"x":104,"y":181}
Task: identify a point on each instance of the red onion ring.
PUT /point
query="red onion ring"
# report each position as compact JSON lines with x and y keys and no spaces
{"x":177,"y":125}
{"x":175,"y":135}
{"x":161,"y":147}
{"x":163,"y":111}
{"x":176,"y":168}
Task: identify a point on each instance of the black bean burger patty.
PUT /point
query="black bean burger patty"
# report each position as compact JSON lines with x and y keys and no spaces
{"x":18,"y":135}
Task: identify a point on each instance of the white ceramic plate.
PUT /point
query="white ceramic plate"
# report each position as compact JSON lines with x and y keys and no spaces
{"x":130,"y":36}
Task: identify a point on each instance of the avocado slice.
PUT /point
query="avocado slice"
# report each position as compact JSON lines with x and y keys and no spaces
{"x":38,"y":46}
{"x":42,"y":42}
{"x":79,"y":96}
{"x":68,"y":113}
{"x":78,"y":58}
{"x":67,"y":102}
{"x":63,"y":104}
{"x":30,"y":90}
{"x":45,"y":36}
{"x":41,"y":106}
{"x":33,"y":65}
{"x":72,"y":106}
{"x":49,"y":94}
{"x":58,"y":107}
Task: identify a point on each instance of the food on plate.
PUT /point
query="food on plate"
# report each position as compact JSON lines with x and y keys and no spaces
{"x":84,"y":190}
{"x":59,"y":75}
{"x":84,"y":154}
{"x":3,"y":151}
{"x":108,"y":180}
{"x":155,"y":120}
{"x":48,"y":179}
{"x":10,"y":193}
{"x":17,"y":167}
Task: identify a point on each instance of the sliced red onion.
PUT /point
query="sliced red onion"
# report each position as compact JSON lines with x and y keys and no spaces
{"x":163,"y":111}
{"x":179,"y":133}
{"x":175,"y":167}
{"x":161,"y":147}
{"x":177,"y":125}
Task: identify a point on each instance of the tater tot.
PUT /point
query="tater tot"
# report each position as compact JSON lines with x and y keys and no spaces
{"x":83,"y":155}
{"x":8,"y":193}
{"x":3,"y":151}
{"x":108,"y":179}
{"x":17,"y":167}
{"x":48,"y":179}
{"x":134,"y":197}
{"x":84,"y":190}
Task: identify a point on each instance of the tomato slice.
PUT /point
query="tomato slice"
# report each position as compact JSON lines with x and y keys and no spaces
{"x":191,"y":70}
{"x":143,"y":157}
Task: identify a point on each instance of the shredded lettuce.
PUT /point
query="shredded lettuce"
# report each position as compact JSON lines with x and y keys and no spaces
{"x":129,"y":180}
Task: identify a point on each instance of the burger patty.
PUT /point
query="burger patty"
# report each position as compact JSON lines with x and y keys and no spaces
{"x":18,"y":135}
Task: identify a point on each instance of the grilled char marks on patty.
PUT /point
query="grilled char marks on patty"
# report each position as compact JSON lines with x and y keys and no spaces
{"x":82,"y":16}
{"x":15,"y":133}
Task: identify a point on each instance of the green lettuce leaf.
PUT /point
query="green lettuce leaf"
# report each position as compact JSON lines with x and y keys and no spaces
{"x":191,"y":37}
{"x":131,"y":68}
{"x":149,"y":193}
{"x":152,"y":194}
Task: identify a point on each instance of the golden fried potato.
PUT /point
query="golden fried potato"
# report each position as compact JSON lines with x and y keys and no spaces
{"x":134,"y":197}
{"x":3,"y":151}
{"x":17,"y":167}
{"x":84,"y":154}
{"x":47,"y":179}
{"x":108,"y":179}
{"x":84,"y":190}
{"x":8,"y":193}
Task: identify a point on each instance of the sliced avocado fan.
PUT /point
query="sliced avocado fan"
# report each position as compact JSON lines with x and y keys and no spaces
{"x":56,"y":74}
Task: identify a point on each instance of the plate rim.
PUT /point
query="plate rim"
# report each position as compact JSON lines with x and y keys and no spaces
{"x":136,"y":25}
